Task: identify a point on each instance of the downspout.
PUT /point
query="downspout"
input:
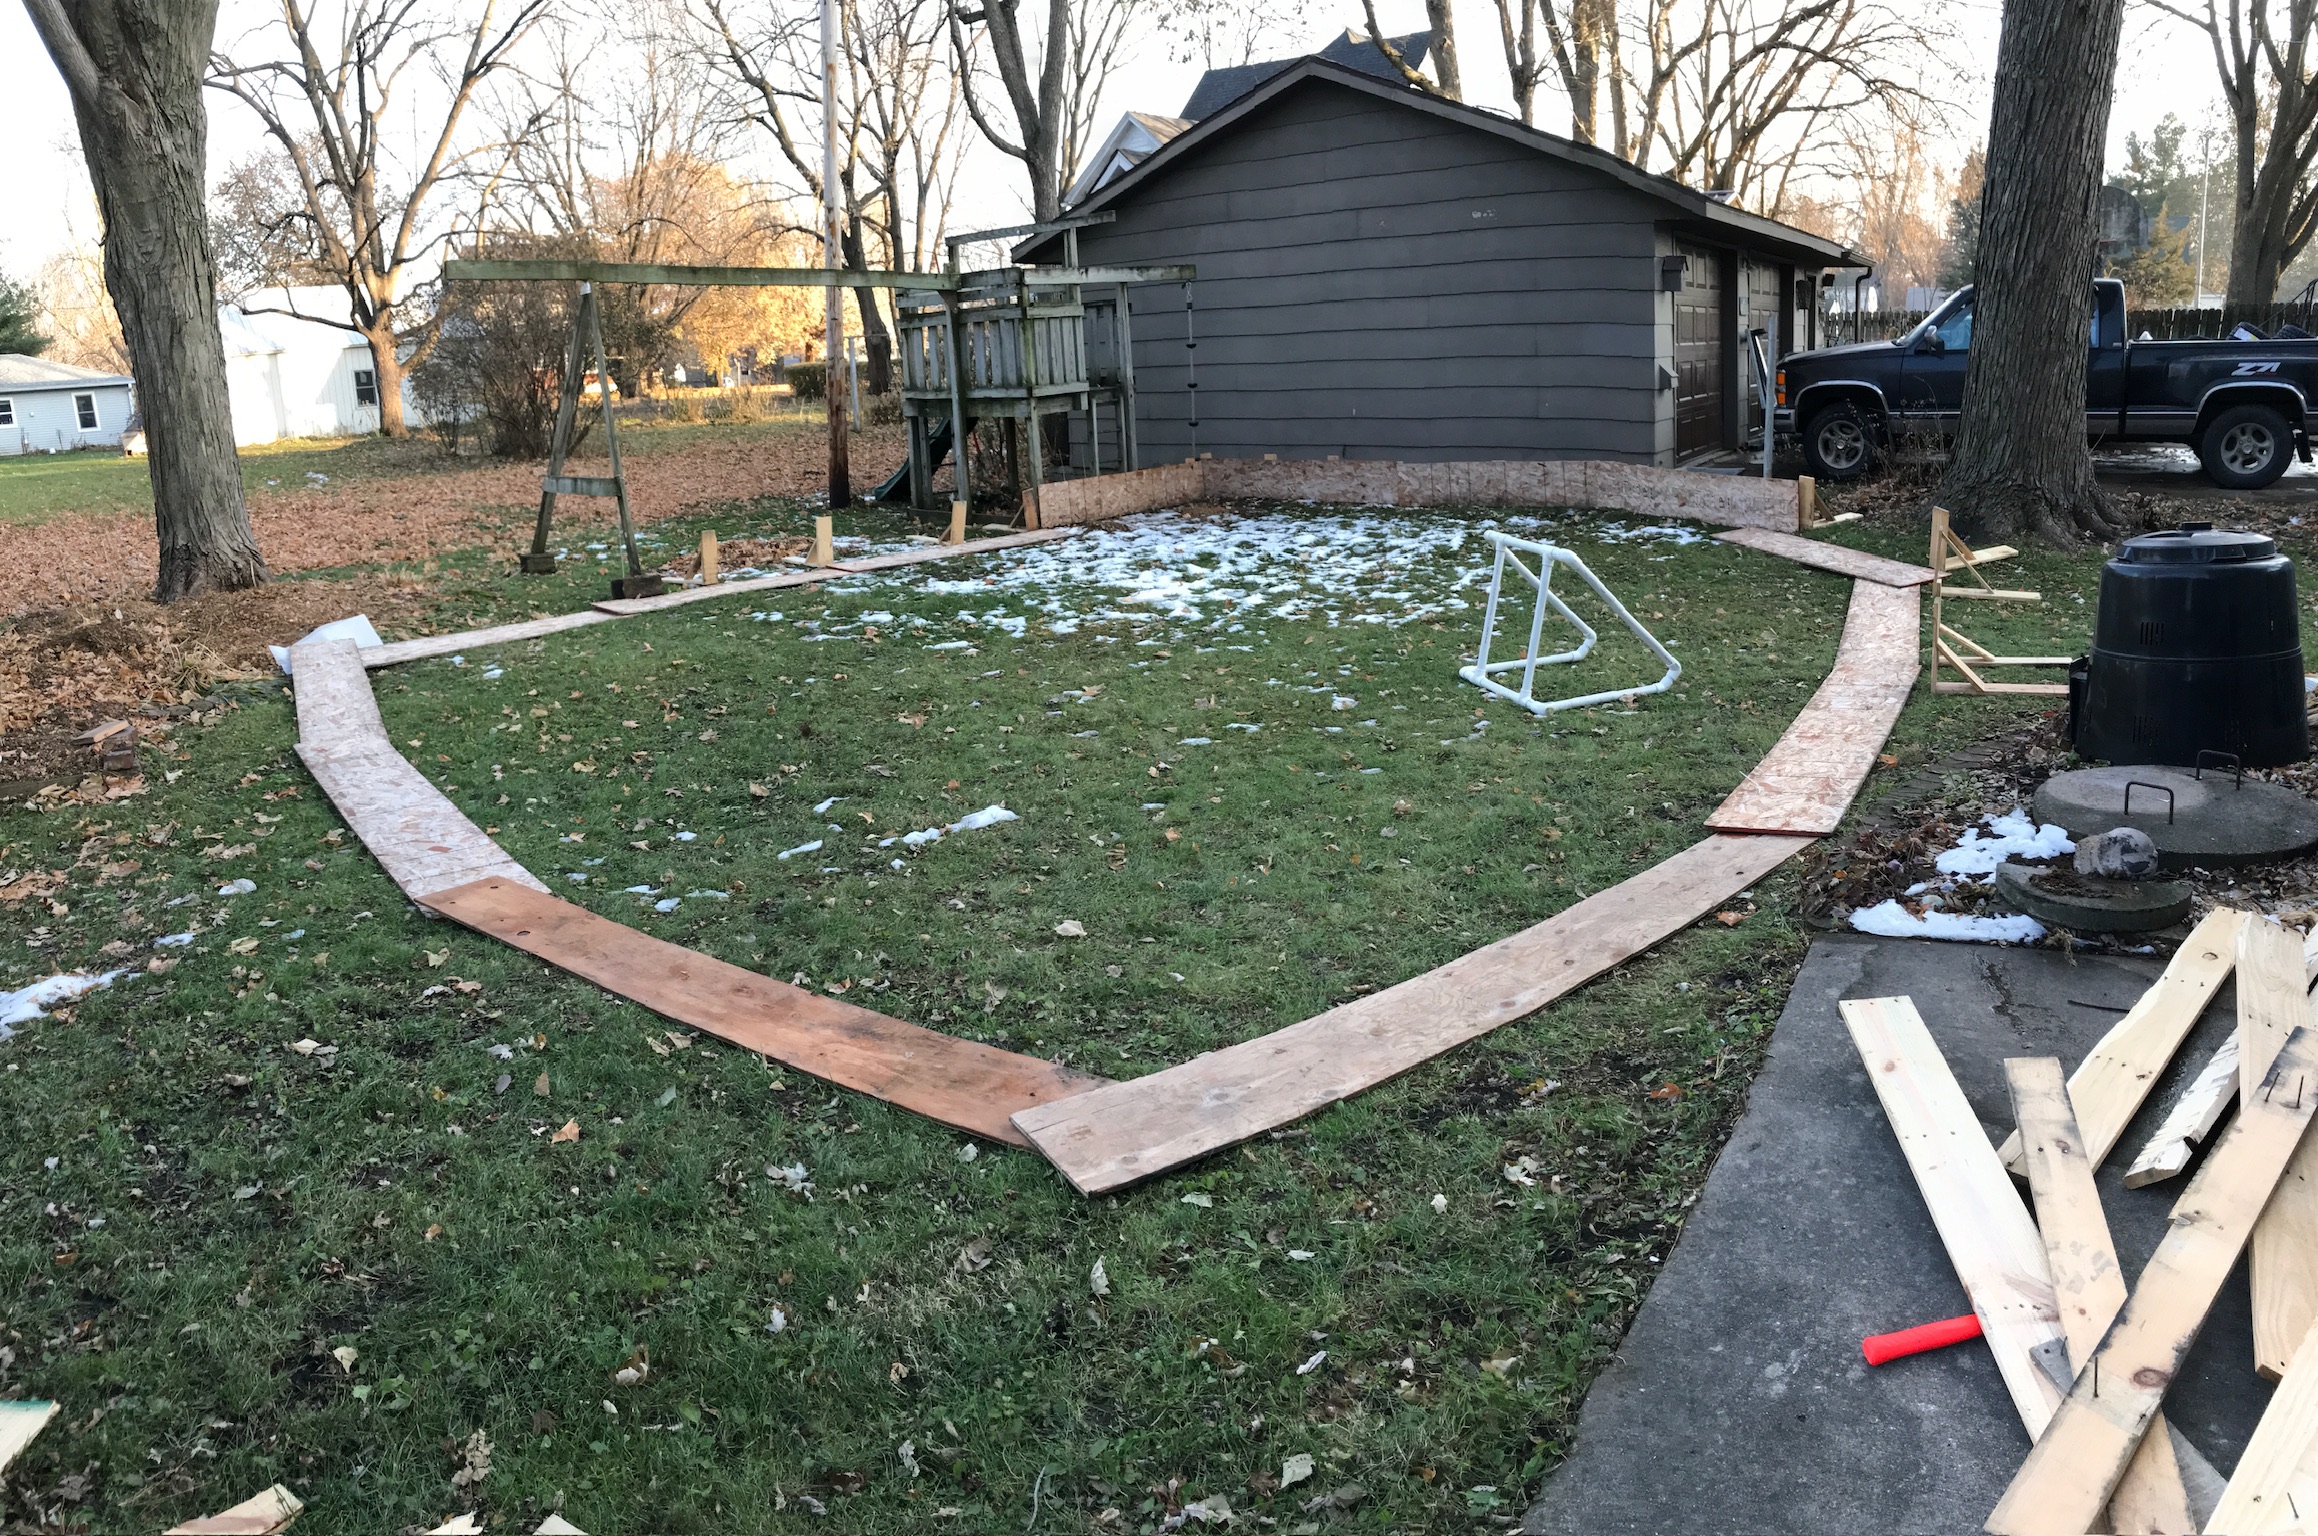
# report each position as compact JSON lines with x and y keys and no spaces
{"x":1856,"y":284}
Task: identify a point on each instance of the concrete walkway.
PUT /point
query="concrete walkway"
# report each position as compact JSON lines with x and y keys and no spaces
{"x":1739,"y":1403}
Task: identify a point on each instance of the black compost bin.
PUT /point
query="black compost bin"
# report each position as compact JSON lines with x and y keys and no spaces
{"x":2196,"y":648}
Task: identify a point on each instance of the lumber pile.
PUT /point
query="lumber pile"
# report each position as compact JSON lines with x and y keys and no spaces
{"x":2086,"y":1356}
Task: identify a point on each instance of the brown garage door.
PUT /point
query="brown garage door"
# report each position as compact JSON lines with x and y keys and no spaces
{"x":1698,"y":354}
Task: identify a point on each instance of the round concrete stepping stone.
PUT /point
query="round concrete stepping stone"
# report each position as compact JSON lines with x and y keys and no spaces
{"x":2058,"y":895}
{"x":2214,"y":822}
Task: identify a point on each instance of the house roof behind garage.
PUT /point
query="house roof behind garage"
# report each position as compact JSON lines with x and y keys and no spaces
{"x":21,"y":375}
{"x":1687,"y":209}
{"x":1219,"y":88}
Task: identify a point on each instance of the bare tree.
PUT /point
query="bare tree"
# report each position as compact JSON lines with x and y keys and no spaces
{"x":133,"y":68}
{"x":1583,"y":36}
{"x":2021,"y":465}
{"x":769,"y":56}
{"x":2262,"y":51}
{"x":1445,"y":80}
{"x":1052,"y":81}
{"x":330,"y":104}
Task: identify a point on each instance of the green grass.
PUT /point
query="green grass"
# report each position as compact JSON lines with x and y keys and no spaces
{"x":252,"y":1227}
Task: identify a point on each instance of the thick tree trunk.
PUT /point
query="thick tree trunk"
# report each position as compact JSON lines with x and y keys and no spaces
{"x":134,"y":68}
{"x":1444,"y":28}
{"x":2021,"y":465}
{"x":387,"y":369}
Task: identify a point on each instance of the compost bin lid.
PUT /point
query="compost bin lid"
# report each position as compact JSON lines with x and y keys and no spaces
{"x":2196,"y":544}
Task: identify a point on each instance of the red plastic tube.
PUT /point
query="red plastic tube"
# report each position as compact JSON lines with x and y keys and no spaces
{"x":1882,"y":1347}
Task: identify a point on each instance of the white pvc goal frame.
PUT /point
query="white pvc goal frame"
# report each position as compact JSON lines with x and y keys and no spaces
{"x":1483,"y":672}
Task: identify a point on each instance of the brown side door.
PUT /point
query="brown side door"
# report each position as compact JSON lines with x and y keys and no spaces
{"x":1698,"y":354}
{"x":1765,"y":293}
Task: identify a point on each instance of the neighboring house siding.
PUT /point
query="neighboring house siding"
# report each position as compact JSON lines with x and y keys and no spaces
{"x":47,"y":420}
{"x":1378,"y":283}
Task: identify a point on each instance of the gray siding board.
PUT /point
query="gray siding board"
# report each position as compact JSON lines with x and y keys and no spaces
{"x":1578,"y":345}
{"x":1322,"y":242}
{"x":1349,"y":302}
{"x":1418,"y":442}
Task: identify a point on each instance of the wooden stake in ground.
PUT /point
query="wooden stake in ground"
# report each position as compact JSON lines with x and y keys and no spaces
{"x":708,"y":557}
{"x":2276,"y":1481}
{"x":824,"y":546}
{"x":2284,"y":1262}
{"x":2086,"y":1284}
{"x":2117,"y":1074}
{"x":1987,"y":1231}
{"x":2082,"y":1455}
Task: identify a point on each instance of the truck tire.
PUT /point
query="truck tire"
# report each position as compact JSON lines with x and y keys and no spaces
{"x":2246,"y":447}
{"x":1839,"y":442}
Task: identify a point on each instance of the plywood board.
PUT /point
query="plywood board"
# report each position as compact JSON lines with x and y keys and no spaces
{"x":1807,"y":781}
{"x":263,"y":1515}
{"x":1118,"y":1134}
{"x":1830,"y":557}
{"x":923,"y":553}
{"x":477,"y":639}
{"x":20,"y":1422}
{"x":958,"y":1082}
{"x":2118,"y":1073}
{"x":2087,"y":1285}
{"x":1981,"y":1220}
{"x":2276,"y":1482}
{"x":2283,"y":1264}
{"x":2079,"y":1459}
{"x":418,"y":836}
{"x":2191,"y":1119}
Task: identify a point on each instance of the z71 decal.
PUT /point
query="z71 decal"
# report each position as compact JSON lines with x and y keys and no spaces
{"x":2247,"y":370}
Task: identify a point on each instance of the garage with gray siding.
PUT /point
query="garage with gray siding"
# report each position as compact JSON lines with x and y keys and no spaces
{"x":1386,"y":275}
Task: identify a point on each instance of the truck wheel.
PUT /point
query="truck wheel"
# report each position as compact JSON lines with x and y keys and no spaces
{"x":2246,"y":447}
{"x":1839,"y":442}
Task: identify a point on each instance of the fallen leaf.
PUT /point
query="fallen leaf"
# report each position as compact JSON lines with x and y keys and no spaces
{"x":1730,"y":919}
{"x":1097,"y":1281}
{"x":1174,"y":834}
{"x":539,"y":1085}
{"x":437,"y":956}
{"x":570,"y":1132}
{"x":1440,"y":1205}
{"x":635,"y":1370}
{"x":434,"y":1230}
{"x":1311,"y":1365}
{"x":1203,"y":1201}
{"x":345,"y":1355}
{"x":758,"y":792}
{"x":1666,"y":1093}
{"x":975,"y":1256}
{"x":1498,"y":1365}
{"x":1070,"y":928}
{"x":243,"y":946}
{"x":1295,"y":1469}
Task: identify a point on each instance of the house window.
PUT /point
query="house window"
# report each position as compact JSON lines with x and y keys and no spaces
{"x":365,"y":387}
{"x":7,"y":413}
{"x":85,"y":408}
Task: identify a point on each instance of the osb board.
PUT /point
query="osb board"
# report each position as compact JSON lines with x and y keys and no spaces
{"x":1807,"y":780}
{"x":1640,"y":489}
{"x":1099,"y":497}
{"x":628,"y":607}
{"x":418,"y":836}
{"x":475,"y":639}
{"x":1830,"y":557}
{"x":958,"y":1082}
{"x":927,"y":552}
{"x":1114,"y":1135}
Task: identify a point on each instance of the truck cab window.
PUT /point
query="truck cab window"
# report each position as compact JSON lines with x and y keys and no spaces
{"x":1955,"y":330}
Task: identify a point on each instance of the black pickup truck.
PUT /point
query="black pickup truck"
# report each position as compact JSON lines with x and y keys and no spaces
{"x":2242,"y":404}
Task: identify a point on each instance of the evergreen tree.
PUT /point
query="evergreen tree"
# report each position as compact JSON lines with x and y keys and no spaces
{"x":2159,"y":276}
{"x":1960,"y":260}
{"x":19,"y":314}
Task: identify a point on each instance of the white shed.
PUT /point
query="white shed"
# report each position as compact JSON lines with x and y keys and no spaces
{"x":292,"y":372}
{"x":50,"y":407}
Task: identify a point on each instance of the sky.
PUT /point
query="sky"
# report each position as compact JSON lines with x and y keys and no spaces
{"x":2165,"y":68}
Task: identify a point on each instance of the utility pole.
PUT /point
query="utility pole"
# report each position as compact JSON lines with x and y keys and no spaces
{"x":832,"y":385}
{"x":2204,"y":192}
